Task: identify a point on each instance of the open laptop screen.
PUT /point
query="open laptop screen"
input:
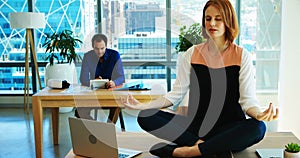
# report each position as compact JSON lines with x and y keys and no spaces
{"x":270,"y":153}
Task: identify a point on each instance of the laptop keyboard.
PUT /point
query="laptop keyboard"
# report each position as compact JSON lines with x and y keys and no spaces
{"x":123,"y":155}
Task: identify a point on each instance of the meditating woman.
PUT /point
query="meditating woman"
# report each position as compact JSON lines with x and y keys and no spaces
{"x":220,"y":78}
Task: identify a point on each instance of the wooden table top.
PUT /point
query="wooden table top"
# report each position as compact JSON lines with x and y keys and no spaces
{"x":86,"y":92}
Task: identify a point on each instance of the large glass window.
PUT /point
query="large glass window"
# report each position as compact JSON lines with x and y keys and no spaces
{"x":137,"y":29}
{"x":260,"y":35}
{"x":11,"y":40}
{"x":144,"y":32}
{"x":59,"y":14}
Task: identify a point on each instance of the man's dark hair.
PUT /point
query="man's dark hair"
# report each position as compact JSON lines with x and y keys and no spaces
{"x":98,"y":38}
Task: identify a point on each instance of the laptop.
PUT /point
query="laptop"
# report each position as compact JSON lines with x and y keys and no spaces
{"x":96,"y":139}
{"x":135,"y":85}
{"x":270,"y":153}
{"x":98,"y":83}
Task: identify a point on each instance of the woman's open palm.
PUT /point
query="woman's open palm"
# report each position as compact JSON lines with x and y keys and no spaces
{"x":130,"y":102}
{"x":268,"y":114}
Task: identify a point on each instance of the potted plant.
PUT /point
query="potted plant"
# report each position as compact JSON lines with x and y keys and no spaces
{"x":189,"y":37}
{"x":63,"y":43}
{"x":60,"y":52}
{"x":292,"y":150}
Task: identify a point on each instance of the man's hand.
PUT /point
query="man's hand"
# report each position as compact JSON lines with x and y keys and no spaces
{"x":110,"y":84}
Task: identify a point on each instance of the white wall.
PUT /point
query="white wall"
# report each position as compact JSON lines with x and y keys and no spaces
{"x":289,"y":87}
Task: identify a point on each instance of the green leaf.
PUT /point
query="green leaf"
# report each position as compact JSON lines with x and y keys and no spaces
{"x":63,"y":43}
{"x":292,"y":147}
{"x":189,"y":37}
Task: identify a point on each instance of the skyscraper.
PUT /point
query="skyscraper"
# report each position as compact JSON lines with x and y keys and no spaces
{"x":141,"y":17}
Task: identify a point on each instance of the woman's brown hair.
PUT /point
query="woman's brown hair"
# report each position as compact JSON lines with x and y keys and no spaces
{"x":228,"y":16}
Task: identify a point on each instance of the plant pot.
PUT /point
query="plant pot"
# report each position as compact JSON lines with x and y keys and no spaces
{"x":62,"y":72}
{"x":291,"y":155}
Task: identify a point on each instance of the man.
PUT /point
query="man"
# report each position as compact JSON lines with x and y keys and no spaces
{"x":100,"y":63}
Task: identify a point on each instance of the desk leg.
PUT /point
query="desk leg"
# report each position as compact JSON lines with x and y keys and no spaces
{"x":55,"y":124}
{"x":37,"y":112}
{"x":113,"y":115}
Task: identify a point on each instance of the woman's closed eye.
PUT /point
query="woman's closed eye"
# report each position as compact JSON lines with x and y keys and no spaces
{"x":209,"y":18}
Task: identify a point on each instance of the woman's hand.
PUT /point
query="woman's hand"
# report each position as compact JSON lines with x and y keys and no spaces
{"x":131,"y":103}
{"x":268,"y":114}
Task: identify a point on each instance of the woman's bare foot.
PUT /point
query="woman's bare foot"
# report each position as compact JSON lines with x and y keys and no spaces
{"x":188,"y":151}
{"x":199,"y":141}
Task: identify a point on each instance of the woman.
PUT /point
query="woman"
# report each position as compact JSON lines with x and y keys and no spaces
{"x":220,"y":77}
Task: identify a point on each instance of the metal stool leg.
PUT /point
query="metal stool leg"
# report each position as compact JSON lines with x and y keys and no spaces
{"x":95,"y":113}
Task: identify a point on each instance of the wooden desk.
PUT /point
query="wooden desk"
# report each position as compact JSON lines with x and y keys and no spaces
{"x":271,"y":140}
{"x":143,"y":141}
{"x":78,"y":96}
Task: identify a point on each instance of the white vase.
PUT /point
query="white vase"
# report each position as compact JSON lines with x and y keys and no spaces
{"x":62,"y":72}
{"x":291,"y":155}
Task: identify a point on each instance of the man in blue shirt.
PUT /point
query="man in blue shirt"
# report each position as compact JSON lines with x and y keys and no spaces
{"x":100,"y":63}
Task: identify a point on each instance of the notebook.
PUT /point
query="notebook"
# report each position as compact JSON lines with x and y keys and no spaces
{"x":96,"y":139}
{"x":270,"y":153}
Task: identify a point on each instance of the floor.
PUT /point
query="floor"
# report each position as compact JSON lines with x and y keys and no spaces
{"x":17,"y":133}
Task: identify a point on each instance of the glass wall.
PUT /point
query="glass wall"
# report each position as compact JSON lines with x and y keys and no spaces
{"x":11,"y":40}
{"x":144,"y":32}
{"x":11,"y":78}
{"x":137,"y":29}
{"x":59,"y":15}
{"x":261,"y":35}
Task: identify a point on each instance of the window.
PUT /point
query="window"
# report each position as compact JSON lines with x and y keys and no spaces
{"x":138,"y":30}
{"x":59,"y":16}
{"x":260,"y":35}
